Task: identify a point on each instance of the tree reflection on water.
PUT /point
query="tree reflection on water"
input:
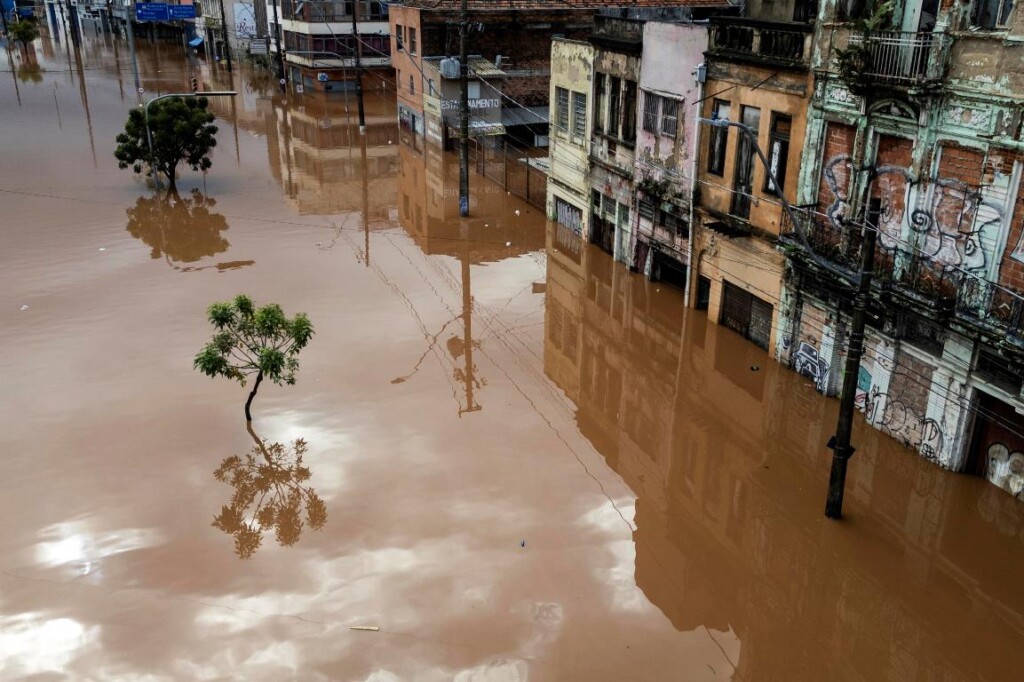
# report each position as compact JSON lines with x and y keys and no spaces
{"x":269,"y":494}
{"x":177,"y":228}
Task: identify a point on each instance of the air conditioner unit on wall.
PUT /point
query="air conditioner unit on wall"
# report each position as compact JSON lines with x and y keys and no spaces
{"x":449,"y":68}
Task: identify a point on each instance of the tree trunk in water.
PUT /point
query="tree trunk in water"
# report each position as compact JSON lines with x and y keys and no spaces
{"x":252,"y":394}
{"x":173,"y":186}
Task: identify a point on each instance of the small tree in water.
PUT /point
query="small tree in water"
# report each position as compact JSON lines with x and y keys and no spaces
{"x":182,"y":130}
{"x":24,"y":31}
{"x":251,"y":340}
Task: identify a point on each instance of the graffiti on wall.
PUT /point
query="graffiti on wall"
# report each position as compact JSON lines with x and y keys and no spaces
{"x":950,"y":222}
{"x":808,"y":362}
{"x":1005,"y":469}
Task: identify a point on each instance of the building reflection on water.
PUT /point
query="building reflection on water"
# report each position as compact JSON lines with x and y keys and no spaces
{"x":724,"y":451}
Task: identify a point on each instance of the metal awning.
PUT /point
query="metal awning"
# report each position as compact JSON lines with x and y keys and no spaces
{"x":195,"y":42}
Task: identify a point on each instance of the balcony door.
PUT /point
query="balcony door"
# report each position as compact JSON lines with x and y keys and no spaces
{"x":743,"y":180}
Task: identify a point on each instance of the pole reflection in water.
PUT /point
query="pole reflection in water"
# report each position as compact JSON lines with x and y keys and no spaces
{"x":270,"y":493}
{"x":726,"y":464}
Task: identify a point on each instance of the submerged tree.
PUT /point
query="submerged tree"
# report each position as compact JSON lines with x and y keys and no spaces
{"x":24,"y":31}
{"x":269,"y":495}
{"x":182,"y":130}
{"x":251,"y":340}
{"x":176,"y":228}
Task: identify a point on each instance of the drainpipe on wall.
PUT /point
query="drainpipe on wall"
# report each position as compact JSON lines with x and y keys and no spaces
{"x":700,"y":74}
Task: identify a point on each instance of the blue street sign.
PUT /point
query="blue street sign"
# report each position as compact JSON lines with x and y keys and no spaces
{"x":176,"y":12}
{"x":323,"y":77}
{"x":151,"y":11}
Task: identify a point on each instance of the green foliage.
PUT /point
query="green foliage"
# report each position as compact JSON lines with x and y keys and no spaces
{"x":656,"y":188}
{"x":269,"y":495}
{"x":251,"y":340}
{"x":182,"y":229}
{"x":183,"y":131}
{"x":855,"y":62}
{"x":23,"y":31}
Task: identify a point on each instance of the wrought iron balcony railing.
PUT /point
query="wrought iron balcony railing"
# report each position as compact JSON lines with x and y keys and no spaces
{"x":777,"y":43}
{"x":901,"y":58}
{"x":914,"y":278}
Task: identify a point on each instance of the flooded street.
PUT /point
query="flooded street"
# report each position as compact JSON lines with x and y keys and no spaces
{"x":535,"y":464}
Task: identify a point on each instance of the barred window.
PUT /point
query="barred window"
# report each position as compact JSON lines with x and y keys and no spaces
{"x":650,"y":123}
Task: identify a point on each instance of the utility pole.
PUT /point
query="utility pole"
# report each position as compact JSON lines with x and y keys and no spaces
{"x":359,"y":66}
{"x":224,"y":32}
{"x":366,"y":197}
{"x":841,"y":449}
{"x":277,"y":44}
{"x":464,"y":111}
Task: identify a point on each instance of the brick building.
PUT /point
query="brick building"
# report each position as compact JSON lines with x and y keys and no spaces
{"x":923,"y":146}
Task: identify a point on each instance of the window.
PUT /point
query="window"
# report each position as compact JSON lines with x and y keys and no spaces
{"x":669,"y":116}
{"x":743,"y":176}
{"x":412,"y":40}
{"x":562,"y":110}
{"x":412,"y":86}
{"x":579,"y":115}
{"x":719,"y":139}
{"x":615,"y":94}
{"x":599,"y":101}
{"x":399,"y":37}
{"x":778,"y":152}
{"x":473,"y":89}
{"x":992,"y":14}
{"x":650,"y":122}
{"x":646,"y":210}
{"x":431,"y":90}
{"x":629,"y":113}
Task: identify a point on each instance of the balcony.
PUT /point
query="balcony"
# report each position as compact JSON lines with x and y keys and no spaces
{"x":625,"y":36}
{"x":905,"y":278}
{"x":774,"y":43}
{"x":900,"y":58}
{"x":316,"y":11}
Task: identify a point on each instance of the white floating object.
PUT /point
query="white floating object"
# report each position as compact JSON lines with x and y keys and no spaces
{"x":103,"y":248}
{"x":517,"y":211}
{"x":508,"y":243}
{"x":24,"y":307}
{"x":365,"y":628}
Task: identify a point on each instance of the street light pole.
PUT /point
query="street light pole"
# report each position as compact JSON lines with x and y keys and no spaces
{"x":149,"y":133}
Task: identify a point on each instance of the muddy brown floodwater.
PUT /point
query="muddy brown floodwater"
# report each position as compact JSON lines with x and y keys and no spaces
{"x":519,"y":461}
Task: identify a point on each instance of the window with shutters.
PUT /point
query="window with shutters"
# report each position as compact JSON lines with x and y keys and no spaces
{"x":562,"y":110}
{"x":778,"y":152}
{"x":669,"y":119}
{"x":614,"y":98}
{"x":412,"y":40}
{"x":719,"y":139}
{"x":599,"y":101}
{"x":629,"y":113}
{"x":991,"y":14}
{"x":399,"y":37}
{"x":650,"y":120}
{"x":579,"y":116}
